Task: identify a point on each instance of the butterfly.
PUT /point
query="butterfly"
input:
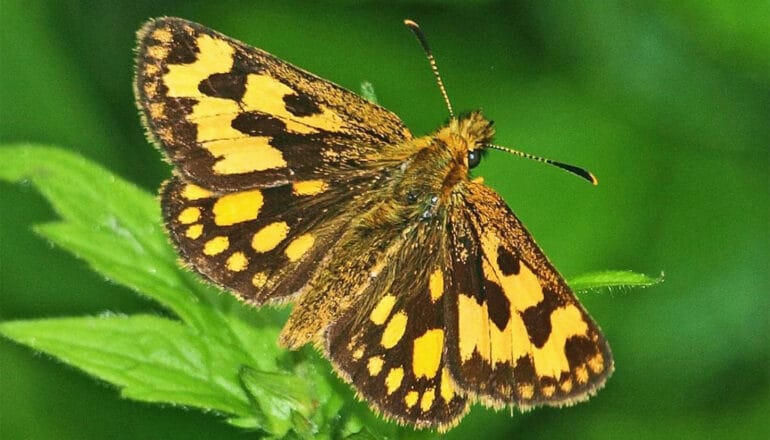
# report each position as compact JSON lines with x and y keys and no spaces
{"x":415,"y":280}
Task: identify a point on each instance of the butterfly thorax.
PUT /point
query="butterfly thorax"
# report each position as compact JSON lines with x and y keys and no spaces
{"x":429,"y":168}
{"x":414,"y":206}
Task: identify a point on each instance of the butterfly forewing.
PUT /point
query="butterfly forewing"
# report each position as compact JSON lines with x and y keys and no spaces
{"x":519,"y":335}
{"x":232,"y":117}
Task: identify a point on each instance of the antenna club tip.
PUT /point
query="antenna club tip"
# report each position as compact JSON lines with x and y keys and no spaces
{"x":411,"y":23}
{"x":594,"y":180}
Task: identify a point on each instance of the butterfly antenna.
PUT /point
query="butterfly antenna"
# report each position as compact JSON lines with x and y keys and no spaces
{"x":580,"y":172}
{"x":415,"y":28}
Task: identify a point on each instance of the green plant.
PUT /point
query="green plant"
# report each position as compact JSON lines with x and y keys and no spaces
{"x":209,"y":352}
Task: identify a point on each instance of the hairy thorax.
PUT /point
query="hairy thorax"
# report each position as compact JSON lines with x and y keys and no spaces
{"x":426,"y":170}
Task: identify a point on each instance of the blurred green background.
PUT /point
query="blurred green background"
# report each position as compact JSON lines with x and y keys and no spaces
{"x":668,"y":103}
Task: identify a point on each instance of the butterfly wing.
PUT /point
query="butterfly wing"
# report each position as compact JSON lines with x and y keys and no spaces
{"x":275,"y":170}
{"x":515,"y":331}
{"x":233,"y":117}
{"x":268,"y":157}
{"x":390,"y":345}
{"x":264,"y":243}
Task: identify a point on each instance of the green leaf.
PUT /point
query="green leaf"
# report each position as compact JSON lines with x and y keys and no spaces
{"x":612,"y":279}
{"x":116,"y":228}
{"x":151,"y":359}
{"x":108,"y":222}
{"x":367,"y":91}
{"x":282,"y":401}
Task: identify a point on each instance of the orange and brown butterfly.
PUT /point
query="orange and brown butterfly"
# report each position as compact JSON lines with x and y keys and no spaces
{"x":418,"y":283}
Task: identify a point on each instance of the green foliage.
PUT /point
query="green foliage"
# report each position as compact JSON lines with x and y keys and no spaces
{"x":150,"y":358}
{"x":612,"y":279}
{"x":666,"y":102}
{"x":214,"y":357}
{"x":367,"y":91}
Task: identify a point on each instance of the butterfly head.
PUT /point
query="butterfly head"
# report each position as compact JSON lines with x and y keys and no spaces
{"x":469,"y":134}
{"x":475,"y":133}
{"x":464,"y":139}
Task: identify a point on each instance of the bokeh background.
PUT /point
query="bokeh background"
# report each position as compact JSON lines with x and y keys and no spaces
{"x":668,"y":103}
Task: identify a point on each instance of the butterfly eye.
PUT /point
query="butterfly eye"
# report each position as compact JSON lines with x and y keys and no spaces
{"x":474,"y":158}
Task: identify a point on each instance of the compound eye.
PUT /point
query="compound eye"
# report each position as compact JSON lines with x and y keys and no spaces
{"x":474,"y":158}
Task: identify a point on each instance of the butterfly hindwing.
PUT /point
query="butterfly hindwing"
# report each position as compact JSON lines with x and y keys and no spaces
{"x":390,"y":345}
{"x":263,"y":244}
{"x":519,"y":336}
{"x":232,"y":117}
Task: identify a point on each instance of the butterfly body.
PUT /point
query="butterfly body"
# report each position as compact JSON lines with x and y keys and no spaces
{"x":416,"y":281}
{"x":417,"y":185}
